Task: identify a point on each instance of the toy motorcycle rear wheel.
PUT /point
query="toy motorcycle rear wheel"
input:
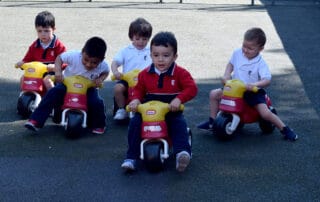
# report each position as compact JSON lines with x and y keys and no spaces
{"x":153,"y":156}
{"x":74,"y":124}
{"x":24,"y":104}
{"x":221,"y":125}
{"x":266,"y":126}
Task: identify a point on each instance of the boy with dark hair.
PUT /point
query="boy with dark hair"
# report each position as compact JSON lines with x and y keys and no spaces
{"x":88,"y":63}
{"x":47,"y":47}
{"x":134,"y":56}
{"x":168,"y":82}
{"x":247,"y":65}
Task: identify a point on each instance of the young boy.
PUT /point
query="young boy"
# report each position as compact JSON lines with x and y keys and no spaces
{"x":47,"y":47}
{"x":165,"y":81}
{"x":88,"y":63}
{"x":248,"y":65}
{"x":134,"y":56}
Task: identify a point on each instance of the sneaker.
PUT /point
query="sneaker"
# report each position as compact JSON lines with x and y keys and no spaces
{"x":31,"y":125}
{"x":289,"y":134}
{"x":129,"y":165}
{"x":182,"y":161}
{"x":207,"y":125}
{"x":121,"y":114}
{"x":99,"y":131}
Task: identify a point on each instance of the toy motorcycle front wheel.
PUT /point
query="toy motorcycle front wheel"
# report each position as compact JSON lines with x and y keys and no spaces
{"x":74,"y":124}
{"x":221,"y":126}
{"x":153,"y":159}
{"x":25,"y":103}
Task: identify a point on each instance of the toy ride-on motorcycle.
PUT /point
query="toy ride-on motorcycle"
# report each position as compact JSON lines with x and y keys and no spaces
{"x":131,"y":78}
{"x":155,"y":144}
{"x":32,"y":87}
{"x":74,"y":114}
{"x":234,"y":112}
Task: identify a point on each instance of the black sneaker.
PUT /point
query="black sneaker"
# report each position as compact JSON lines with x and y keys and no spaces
{"x":289,"y":134}
{"x":207,"y":125}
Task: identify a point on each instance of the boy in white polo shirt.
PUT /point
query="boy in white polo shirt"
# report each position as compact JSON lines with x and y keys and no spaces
{"x":247,"y":65}
{"x":134,"y":56}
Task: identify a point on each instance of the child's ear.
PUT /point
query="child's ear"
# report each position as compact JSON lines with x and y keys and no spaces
{"x":261,"y":48}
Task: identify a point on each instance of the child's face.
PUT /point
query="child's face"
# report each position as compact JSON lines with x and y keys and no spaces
{"x":90,"y":62}
{"x":139,"y":42}
{"x":251,"y":49}
{"x":45,"y":34}
{"x":162,"y":57}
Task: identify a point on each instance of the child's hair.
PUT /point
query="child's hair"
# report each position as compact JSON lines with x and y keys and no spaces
{"x":45,"y":19}
{"x":140,"y":27}
{"x":256,"y":34}
{"x":165,"y":39}
{"x":95,"y":47}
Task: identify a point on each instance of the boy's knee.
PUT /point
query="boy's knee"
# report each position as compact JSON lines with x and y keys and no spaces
{"x":215,"y":94}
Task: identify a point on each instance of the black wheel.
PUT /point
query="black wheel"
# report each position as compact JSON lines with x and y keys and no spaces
{"x":221,"y":126}
{"x":74,"y":124}
{"x":24,"y":104}
{"x":152,"y":156}
{"x":266,"y":126}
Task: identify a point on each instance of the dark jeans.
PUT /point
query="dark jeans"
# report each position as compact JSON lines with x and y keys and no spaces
{"x":54,"y":100}
{"x":177,"y":129}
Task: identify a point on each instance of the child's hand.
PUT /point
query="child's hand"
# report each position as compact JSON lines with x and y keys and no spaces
{"x":251,"y":87}
{"x":50,"y":67}
{"x":175,"y":105}
{"x":98,"y":82}
{"x":224,"y":80}
{"x":133,"y":105}
{"x":19,"y":64}
{"x":117,"y":75}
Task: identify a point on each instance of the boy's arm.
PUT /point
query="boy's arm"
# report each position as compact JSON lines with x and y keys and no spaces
{"x":114,"y":69}
{"x":227,"y":73}
{"x":58,"y":69}
{"x":101,"y":78}
{"x":260,"y":84}
{"x":189,"y":88}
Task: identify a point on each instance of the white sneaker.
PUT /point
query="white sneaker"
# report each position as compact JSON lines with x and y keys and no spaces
{"x":129,"y":165}
{"x":121,"y":114}
{"x":182,"y":161}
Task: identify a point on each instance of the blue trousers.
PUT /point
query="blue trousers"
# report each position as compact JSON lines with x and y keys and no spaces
{"x":177,"y":129}
{"x":54,"y":100}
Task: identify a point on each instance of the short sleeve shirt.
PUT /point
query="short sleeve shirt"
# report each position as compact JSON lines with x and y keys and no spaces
{"x":249,"y":71}
{"x":73,"y":59}
{"x":131,"y":58}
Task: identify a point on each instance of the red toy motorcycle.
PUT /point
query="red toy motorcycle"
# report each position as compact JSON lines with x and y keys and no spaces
{"x":155,"y":144}
{"x":74,"y":114}
{"x":32,"y":87}
{"x":235,"y":112}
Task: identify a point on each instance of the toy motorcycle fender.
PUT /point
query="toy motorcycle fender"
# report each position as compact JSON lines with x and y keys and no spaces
{"x":234,"y":112}
{"x":32,"y":87}
{"x":74,"y":114}
{"x":155,"y":144}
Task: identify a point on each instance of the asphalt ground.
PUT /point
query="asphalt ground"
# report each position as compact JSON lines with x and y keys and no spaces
{"x":252,"y":167}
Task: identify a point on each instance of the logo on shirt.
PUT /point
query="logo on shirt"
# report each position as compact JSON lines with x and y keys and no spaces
{"x":173,"y":82}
